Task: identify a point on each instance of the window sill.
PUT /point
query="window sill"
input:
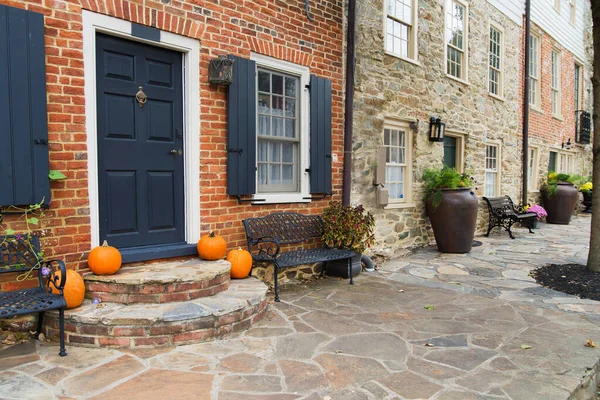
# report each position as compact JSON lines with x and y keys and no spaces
{"x":408,"y":60}
{"x":495,"y":96}
{"x":558,"y":117}
{"x":281,"y":198}
{"x":536,"y":109}
{"x":534,"y":191}
{"x":396,"y":206}
{"x":458,"y":79}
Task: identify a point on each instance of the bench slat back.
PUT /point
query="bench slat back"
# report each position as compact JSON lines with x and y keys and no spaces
{"x":287,"y":227}
{"x":503,"y":202}
{"x":18,"y":254}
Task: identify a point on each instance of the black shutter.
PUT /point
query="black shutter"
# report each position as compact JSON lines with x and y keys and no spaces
{"x":241,"y":128}
{"x":320,"y":135}
{"x":23,"y":121}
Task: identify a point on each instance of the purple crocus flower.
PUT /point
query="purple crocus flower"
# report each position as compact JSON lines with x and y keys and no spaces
{"x":96,"y":300}
{"x":19,"y":237}
{"x":45,"y":271}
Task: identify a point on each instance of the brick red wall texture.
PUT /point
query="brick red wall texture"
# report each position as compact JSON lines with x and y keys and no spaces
{"x":275,"y":28}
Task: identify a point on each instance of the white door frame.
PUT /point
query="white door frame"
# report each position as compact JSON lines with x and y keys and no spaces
{"x":190,"y":48}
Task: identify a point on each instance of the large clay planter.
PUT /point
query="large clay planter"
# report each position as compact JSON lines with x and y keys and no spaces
{"x":454,"y":220}
{"x":560,"y":205}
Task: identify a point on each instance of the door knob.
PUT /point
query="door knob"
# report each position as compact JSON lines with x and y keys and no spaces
{"x":176,"y":152}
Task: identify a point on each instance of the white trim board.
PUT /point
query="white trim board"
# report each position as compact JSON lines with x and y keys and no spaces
{"x":190,"y":48}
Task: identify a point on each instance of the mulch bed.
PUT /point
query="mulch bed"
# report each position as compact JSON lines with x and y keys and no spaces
{"x":569,"y":278}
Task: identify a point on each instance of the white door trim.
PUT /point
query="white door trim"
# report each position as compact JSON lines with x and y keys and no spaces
{"x":190,"y":48}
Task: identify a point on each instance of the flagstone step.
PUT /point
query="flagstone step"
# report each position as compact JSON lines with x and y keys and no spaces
{"x":160,"y":282}
{"x":161,"y":325}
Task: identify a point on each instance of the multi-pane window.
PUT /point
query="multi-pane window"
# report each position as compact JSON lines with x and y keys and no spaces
{"x":278,"y":132}
{"x":532,"y":172}
{"x":552,"y":161}
{"x":495,"y":74}
{"x":394,"y":141}
{"x":491,"y":170}
{"x":572,"y":11}
{"x":555,"y":100}
{"x":565,"y":164}
{"x":534,"y":71}
{"x":577,"y":87}
{"x":557,"y":5}
{"x":456,"y":39}
{"x":399,"y":28}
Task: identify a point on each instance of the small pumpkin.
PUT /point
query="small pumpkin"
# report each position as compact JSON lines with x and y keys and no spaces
{"x":74,"y":290}
{"x":241,"y":263}
{"x":212,"y":247}
{"x":104,"y":260}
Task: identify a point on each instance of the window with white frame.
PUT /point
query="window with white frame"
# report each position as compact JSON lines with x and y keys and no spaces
{"x":552,"y":157}
{"x":495,"y":72}
{"x":492,"y":170}
{"x":557,"y":5}
{"x":555,"y":100}
{"x":397,"y":143}
{"x":577,"y":85}
{"x":401,"y":28}
{"x":532,"y":172}
{"x":456,"y":39}
{"x":572,"y":11}
{"x":278,"y":136}
{"x":565,"y":163}
{"x":454,"y":145}
{"x":534,"y":71}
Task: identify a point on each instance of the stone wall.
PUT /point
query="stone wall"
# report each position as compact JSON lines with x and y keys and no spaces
{"x":391,"y":88}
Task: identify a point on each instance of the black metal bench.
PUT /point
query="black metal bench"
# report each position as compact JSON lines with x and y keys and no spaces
{"x":265,"y":236}
{"x":503,"y":214}
{"x":20,"y":254}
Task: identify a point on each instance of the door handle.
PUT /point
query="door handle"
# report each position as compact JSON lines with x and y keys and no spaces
{"x":176,"y":152}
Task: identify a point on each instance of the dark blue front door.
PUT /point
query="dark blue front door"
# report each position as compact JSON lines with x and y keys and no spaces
{"x":140,"y":143}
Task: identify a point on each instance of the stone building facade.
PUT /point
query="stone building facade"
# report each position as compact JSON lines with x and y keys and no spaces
{"x":276,"y":35}
{"x":462,"y":62}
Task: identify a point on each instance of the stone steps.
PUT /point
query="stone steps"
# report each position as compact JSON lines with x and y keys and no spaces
{"x":163,"y":324}
{"x":160,"y":282}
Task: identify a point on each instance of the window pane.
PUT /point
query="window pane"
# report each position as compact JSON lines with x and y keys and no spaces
{"x":262,"y":174}
{"x":264,"y":102}
{"x":277,"y":127}
{"x":277,"y":105}
{"x":274,"y":170}
{"x":290,"y":87}
{"x":290,"y":128}
{"x":287,"y":174}
{"x":264,"y":81}
{"x":277,"y":82}
{"x":290,"y":107}
{"x":288,"y":152}
{"x":264,"y":125}
{"x":262,"y":150}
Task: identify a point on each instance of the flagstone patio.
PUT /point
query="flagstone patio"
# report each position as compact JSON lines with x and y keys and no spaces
{"x":488,"y":332}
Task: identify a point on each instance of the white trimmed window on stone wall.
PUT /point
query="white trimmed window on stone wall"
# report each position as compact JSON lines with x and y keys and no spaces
{"x":572,"y":11}
{"x":397,"y":140}
{"x":457,"y":28}
{"x":534,"y":72}
{"x":556,"y":95}
{"x":400,"y":29}
{"x":496,"y":77}
{"x":565,"y":163}
{"x":533,"y":170}
{"x":492,"y":170}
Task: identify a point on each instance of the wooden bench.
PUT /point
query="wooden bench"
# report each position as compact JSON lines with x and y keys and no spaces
{"x":265,"y":236}
{"x":503,"y":214}
{"x":17,"y":254}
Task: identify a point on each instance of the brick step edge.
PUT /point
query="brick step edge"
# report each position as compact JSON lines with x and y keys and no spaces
{"x":163,"y":334}
{"x":155,"y":292}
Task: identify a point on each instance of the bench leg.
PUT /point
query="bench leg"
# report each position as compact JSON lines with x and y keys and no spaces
{"x":350,"y":270}
{"x":275,"y":270}
{"x":39,"y":324}
{"x":61,"y":316}
{"x":509,"y":231}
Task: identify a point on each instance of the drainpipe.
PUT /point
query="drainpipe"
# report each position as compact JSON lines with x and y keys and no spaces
{"x":526,"y":101}
{"x":348,"y":114}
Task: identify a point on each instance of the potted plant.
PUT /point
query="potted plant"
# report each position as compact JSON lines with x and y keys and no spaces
{"x":452,"y":209}
{"x":347,"y":227}
{"x":586,"y":190}
{"x":559,"y":196}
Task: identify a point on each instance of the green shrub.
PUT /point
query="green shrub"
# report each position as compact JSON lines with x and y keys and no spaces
{"x":445,"y":178}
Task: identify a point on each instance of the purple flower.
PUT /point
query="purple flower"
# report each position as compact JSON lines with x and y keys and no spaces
{"x":45,"y":271}
{"x":539,"y":210}
{"x":96,"y":300}
{"x":19,"y":237}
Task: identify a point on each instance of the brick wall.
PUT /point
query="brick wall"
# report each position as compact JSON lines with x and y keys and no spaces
{"x":275,"y":28}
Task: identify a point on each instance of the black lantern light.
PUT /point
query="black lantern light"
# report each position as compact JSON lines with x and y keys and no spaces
{"x":436,"y":129}
{"x":220,"y":71}
{"x":568,"y":145}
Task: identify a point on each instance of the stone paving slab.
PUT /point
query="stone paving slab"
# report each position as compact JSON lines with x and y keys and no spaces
{"x":483,"y":337}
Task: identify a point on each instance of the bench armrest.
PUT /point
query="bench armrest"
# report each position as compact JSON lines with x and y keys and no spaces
{"x":268,"y":248}
{"x":51,"y":268}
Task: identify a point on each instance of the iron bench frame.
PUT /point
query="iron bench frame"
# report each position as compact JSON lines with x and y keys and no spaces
{"x":22,"y":254}
{"x":265,"y":235}
{"x":502,"y":213}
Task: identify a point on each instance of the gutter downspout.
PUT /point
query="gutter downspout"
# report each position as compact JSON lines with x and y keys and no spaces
{"x":526,"y":101}
{"x":348,"y":114}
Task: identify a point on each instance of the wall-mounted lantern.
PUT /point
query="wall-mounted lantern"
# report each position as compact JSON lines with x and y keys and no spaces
{"x":568,"y":145}
{"x":220,"y":71}
{"x":436,"y":129}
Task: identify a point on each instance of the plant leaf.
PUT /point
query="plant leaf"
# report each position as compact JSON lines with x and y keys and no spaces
{"x":9,"y":231}
{"x":437,"y":198}
{"x":590,"y":343}
{"x":33,"y":221}
{"x":525,"y":347}
{"x":429,"y":307}
{"x":55,"y":175}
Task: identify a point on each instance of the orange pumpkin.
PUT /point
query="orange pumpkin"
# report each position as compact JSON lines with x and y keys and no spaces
{"x":74,"y":290}
{"x":104,"y":260}
{"x":211,"y":247}
{"x":241,"y":263}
